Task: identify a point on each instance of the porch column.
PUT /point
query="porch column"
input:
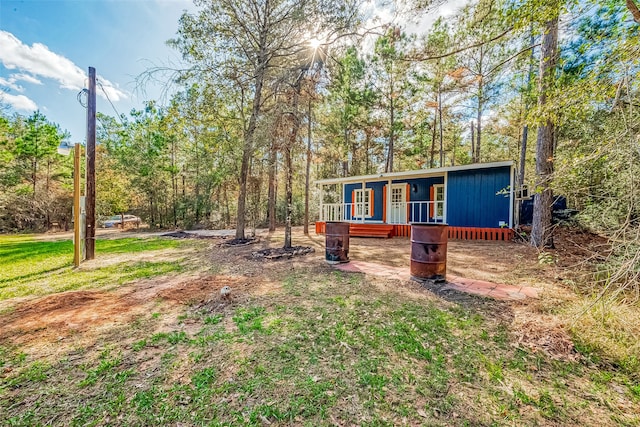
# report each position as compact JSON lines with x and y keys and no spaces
{"x":343,"y":200}
{"x":444,"y":208}
{"x":388,"y":201}
{"x":321,"y":216}
{"x":362,"y":218}
{"x":511,"y":202}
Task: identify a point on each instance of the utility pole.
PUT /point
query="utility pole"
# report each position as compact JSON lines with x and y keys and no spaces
{"x":90,"y":207}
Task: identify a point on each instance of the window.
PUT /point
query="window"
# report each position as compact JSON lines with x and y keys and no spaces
{"x":363,"y":201}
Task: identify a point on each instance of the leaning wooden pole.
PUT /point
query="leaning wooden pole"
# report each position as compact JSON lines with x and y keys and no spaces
{"x":90,"y":199}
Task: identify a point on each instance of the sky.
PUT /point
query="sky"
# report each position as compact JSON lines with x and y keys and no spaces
{"x":46,"y":47}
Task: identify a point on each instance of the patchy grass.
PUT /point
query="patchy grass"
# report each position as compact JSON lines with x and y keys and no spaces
{"x":30,"y":267}
{"x":326,"y":348}
{"x":609,"y":334}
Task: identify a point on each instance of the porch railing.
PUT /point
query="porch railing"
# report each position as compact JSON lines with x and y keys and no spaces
{"x":342,"y":212}
{"x":400,"y":213}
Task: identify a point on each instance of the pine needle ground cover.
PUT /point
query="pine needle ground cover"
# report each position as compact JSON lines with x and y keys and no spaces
{"x":297,"y":343}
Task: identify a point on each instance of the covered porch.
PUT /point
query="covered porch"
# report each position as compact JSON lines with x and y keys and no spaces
{"x":385,"y":205}
{"x":393,"y":201}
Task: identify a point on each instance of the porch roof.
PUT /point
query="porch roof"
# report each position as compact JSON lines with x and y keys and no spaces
{"x":412,"y":174}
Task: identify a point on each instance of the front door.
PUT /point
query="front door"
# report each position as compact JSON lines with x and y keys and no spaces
{"x":398,"y":204}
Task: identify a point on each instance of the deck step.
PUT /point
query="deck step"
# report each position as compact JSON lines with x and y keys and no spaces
{"x":371,"y":230}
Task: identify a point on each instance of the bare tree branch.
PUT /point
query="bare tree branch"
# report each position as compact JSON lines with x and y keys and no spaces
{"x":462,"y":49}
{"x":526,"y":49}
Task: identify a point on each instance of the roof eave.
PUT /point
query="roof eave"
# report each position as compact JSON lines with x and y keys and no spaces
{"x":412,"y":174}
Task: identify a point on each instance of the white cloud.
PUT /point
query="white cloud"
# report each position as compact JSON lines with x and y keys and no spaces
{"x":38,"y":60}
{"x":18,"y":102}
{"x":26,"y":78}
{"x":10,"y":83}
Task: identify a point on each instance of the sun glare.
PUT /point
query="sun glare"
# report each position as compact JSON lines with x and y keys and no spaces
{"x":315,"y":43}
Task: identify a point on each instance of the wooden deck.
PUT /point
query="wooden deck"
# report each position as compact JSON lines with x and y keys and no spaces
{"x":363,"y":230}
{"x":404,"y":230}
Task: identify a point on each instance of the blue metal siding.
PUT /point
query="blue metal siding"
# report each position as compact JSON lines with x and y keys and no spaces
{"x":422,"y":187}
{"x":422,"y":193}
{"x":472,"y":199}
{"x":377,"y":198}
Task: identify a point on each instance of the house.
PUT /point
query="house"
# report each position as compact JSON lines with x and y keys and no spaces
{"x":476,"y":201}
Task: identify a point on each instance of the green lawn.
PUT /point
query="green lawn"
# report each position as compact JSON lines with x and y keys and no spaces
{"x":35,"y":267}
{"x":313,"y":347}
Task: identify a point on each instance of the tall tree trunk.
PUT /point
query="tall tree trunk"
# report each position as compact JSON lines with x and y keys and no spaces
{"x":525,"y":131}
{"x":247,"y":149}
{"x":478,"y":129}
{"x":151,"y":210}
{"x":391,"y":131}
{"x":453,"y":152}
{"x":308,"y":171}
{"x":197,"y":188}
{"x":434,"y":130}
{"x":288,"y":191}
{"x":46,"y":196}
{"x":184,"y":197}
{"x":441,"y":132}
{"x":174,"y":183}
{"x":367,"y":145}
{"x":345,"y":162}
{"x":227,"y":212}
{"x":293,"y":136}
{"x":541,"y":232}
{"x":473,"y":142}
{"x":34,"y":168}
{"x":523,"y":154}
{"x":480,"y":105}
{"x":271,"y":202}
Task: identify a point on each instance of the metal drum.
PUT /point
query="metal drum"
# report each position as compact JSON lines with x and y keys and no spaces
{"x":337,"y":242}
{"x":429,"y":252}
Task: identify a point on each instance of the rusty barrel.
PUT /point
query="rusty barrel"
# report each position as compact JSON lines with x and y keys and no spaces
{"x":429,"y":251}
{"x":337,"y":242}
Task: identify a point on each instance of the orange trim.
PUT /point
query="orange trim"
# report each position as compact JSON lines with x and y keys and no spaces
{"x":353,"y":204}
{"x":384,"y":203}
{"x":371,"y":204}
{"x":408,"y":196}
{"x":432,"y":193}
{"x":404,"y":230}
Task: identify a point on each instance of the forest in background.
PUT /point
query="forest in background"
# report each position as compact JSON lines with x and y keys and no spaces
{"x":274,"y":94}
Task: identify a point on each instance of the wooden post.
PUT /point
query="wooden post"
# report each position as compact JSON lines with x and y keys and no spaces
{"x":90,"y":207}
{"x":77,"y":250}
{"x":321,"y":216}
{"x":388,"y":202}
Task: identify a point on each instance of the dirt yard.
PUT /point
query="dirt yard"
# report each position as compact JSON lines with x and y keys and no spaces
{"x":358,"y":341}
